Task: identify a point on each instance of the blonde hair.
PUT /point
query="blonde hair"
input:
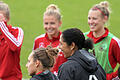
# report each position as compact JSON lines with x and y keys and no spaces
{"x":53,"y":10}
{"x":5,"y":9}
{"x":103,"y":7}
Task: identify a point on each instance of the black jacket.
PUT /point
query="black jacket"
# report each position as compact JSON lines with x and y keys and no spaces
{"x":46,"y":75}
{"x":81,"y":66}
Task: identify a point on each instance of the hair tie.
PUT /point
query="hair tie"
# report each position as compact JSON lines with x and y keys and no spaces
{"x":100,"y":11}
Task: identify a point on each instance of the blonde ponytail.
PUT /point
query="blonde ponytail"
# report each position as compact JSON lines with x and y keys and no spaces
{"x":53,"y":10}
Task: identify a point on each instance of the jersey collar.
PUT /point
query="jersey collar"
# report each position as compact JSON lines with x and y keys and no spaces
{"x":54,"y":38}
{"x":96,"y":40}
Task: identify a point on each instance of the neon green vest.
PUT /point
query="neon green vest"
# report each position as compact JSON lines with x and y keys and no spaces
{"x":101,"y":52}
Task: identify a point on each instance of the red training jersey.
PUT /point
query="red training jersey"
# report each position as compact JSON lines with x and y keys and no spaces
{"x":11,"y":39}
{"x":44,"y":41}
{"x":114,"y":51}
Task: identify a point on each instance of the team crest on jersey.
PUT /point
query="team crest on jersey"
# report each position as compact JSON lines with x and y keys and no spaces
{"x":59,"y":51}
{"x":41,"y":45}
{"x":58,"y":48}
{"x":103,"y":47}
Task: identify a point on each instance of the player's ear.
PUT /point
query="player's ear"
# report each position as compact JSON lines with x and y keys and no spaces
{"x":60,"y":23}
{"x":37,"y":63}
{"x":105,"y":19}
{"x":7,"y":19}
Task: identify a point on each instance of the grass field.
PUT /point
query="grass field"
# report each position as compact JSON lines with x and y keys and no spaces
{"x":28,"y":14}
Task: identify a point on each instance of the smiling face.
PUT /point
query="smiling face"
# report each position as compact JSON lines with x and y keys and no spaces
{"x":51,"y":25}
{"x":65,"y":48}
{"x":31,"y":67}
{"x":95,"y":20}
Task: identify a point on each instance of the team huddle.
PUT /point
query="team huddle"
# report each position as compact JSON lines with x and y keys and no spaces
{"x":67,"y":55}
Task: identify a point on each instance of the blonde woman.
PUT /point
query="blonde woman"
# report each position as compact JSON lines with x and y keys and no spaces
{"x":106,"y":45}
{"x":51,"y":22}
{"x":11,"y":39}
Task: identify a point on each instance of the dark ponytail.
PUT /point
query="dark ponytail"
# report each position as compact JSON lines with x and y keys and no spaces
{"x":76,"y":35}
{"x":88,"y":44}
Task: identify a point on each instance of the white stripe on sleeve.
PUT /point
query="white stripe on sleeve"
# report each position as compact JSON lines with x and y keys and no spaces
{"x":17,"y":41}
{"x":117,"y":40}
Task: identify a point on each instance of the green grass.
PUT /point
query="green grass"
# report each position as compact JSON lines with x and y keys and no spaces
{"x":28,"y":14}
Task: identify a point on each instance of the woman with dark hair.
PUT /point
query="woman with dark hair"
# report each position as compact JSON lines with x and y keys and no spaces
{"x":81,"y":65}
{"x":39,"y":63}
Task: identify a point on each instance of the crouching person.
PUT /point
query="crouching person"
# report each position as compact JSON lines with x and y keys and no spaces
{"x":39,"y":63}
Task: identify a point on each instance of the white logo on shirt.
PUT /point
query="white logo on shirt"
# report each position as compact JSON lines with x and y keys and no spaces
{"x":92,"y":77}
{"x":41,"y":45}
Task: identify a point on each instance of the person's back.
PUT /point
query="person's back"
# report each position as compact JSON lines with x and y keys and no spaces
{"x":82,"y":66}
{"x":92,"y":68}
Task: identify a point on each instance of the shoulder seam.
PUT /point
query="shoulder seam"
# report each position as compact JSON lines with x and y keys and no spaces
{"x":117,"y":40}
{"x":42,"y":35}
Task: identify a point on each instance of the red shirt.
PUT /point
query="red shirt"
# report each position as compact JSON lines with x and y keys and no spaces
{"x":44,"y":41}
{"x":114,"y":51}
{"x":11,"y":39}
{"x":39,"y":73}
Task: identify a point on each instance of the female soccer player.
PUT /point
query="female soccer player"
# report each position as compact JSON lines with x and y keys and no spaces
{"x":52,"y":22}
{"x":106,"y":45}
